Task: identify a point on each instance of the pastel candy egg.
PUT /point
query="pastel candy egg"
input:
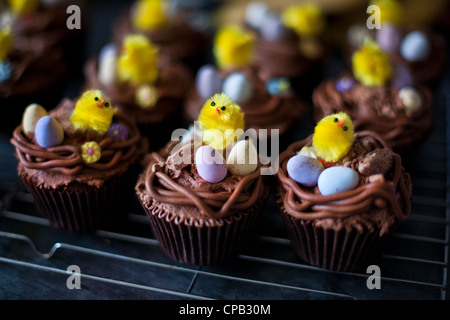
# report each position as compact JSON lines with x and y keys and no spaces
{"x":255,"y":14}
{"x":402,"y":77}
{"x":243,"y":158}
{"x":415,"y":46}
{"x":237,"y":87}
{"x":273,"y":29}
{"x":48,"y":132}
{"x":208,"y":81}
{"x":388,"y":38}
{"x":107,"y":61}
{"x":411,"y":99}
{"x":31,"y":116}
{"x":304,"y":170}
{"x":210,"y":164}
{"x":308,"y":152}
{"x":337,"y":179}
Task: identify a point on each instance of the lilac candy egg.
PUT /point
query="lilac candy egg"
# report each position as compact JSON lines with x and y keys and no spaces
{"x":415,"y":46}
{"x":272,"y":29}
{"x":402,"y":77}
{"x":388,"y":38}
{"x":345,"y":83}
{"x":304,"y":170}
{"x":208,"y":81}
{"x":211,"y":166}
{"x":48,"y":132}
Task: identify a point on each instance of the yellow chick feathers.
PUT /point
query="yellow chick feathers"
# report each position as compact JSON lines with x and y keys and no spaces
{"x":220,"y":117}
{"x":92,"y":112}
{"x":138,"y":61}
{"x":22,"y":7}
{"x":333,"y":137}
{"x":233,"y":47}
{"x":5,"y":43}
{"x":150,"y":14}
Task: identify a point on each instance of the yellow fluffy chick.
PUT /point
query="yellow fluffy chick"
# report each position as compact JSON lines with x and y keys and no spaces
{"x":305,"y":19}
{"x":5,"y":43}
{"x":333,"y":137}
{"x":138,"y":60}
{"x":22,"y":7}
{"x":93,"y":113}
{"x":233,"y":47}
{"x":150,"y":14}
{"x":218,"y":115}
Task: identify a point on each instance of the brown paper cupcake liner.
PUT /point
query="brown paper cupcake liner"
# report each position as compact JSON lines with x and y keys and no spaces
{"x":78,"y":207}
{"x":199,"y":242}
{"x":344,"y":250}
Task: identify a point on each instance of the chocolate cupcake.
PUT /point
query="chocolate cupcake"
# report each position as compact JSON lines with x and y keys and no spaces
{"x":183,"y":35}
{"x":380,"y":100}
{"x":340,"y":214}
{"x":137,"y":84}
{"x":268,"y":103}
{"x":289,"y":43}
{"x":76,"y":175}
{"x":203,"y":194}
{"x":26,"y":77}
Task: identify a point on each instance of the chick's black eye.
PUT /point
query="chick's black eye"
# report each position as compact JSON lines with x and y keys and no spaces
{"x":107,"y":104}
{"x":223,"y":108}
{"x":336,"y":120}
{"x":96,"y":98}
{"x":213,"y":103}
{"x":345,"y":128}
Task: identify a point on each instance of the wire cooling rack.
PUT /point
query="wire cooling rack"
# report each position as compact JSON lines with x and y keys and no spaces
{"x":129,"y":264}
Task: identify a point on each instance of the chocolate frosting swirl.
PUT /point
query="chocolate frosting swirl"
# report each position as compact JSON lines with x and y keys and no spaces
{"x":66,"y":160}
{"x":384,"y":197}
{"x":263,"y":111}
{"x":172,"y":86}
{"x":181,"y":185}
{"x":377,"y":109}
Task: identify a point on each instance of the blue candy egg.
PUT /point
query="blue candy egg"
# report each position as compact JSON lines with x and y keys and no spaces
{"x":304,"y":170}
{"x":211,"y":166}
{"x":237,"y":87}
{"x":337,"y":179}
{"x":48,"y":132}
{"x":272,"y":29}
{"x":208,"y":81}
{"x":388,"y":38}
{"x":278,"y":85}
{"x":415,"y":46}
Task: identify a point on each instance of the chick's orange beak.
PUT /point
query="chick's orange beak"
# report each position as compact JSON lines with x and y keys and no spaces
{"x":340,"y":124}
{"x":217,"y":111}
{"x":101,"y":103}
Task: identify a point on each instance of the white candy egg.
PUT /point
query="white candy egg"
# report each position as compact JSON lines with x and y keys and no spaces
{"x":107,"y":62}
{"x":243,"y":158}
{"x":410,"y":98}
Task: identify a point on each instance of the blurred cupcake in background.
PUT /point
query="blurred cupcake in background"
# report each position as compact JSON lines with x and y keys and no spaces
{"x":183,"y":35}
{"x":138,"y":84}
{"x":414,"y":46}
{"x":268,"y":102}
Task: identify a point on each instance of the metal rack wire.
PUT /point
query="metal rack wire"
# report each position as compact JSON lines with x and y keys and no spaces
{"x":129,"y":264}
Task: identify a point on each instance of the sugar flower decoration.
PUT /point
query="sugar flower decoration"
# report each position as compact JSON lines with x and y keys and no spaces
{"x":150,"y":14}
{"x":90,"y":151}
{"x":118,"y":132}
{"x":391,"y":11}
{"x":305,"y":19}
{"x":371,"y":65}
{"x":233,"y":47}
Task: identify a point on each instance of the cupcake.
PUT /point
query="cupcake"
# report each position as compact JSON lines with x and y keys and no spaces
{"x":267,"y":102}
{"x":414,"y":47}
{"x":74,"y":161}
{"x":26,"y":77}
{"x":137,"y":84}
{"x":183,"y":35}
{"x":341,"y":195}
{"x":380,"y":98}
{"x":288,"y":43}
{"x":202,"y":201}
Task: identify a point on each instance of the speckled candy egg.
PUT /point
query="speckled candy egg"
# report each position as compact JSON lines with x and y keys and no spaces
{"x":243,"y":158}
{"x":31,"y":116}
{"x":48,"y":132}
{"x":411,"y":99}
{"x":337,"y":179}
{"x":304,"y":170}
{"x":237,"y":87}
{"x":388,"y":38}
{"x":255,"y":14}
{"x":272,"y":28}
{"x":211,"y":166}
{"x":415,"y":46}
{"x":208,"y":81}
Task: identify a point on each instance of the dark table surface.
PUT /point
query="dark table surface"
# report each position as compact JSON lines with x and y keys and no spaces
{"x":129,"y":264}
